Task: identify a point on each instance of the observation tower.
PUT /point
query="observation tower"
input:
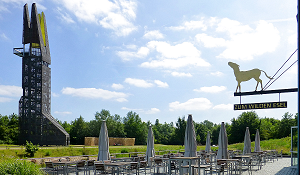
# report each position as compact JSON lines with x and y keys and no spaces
{"x":35,"y":120}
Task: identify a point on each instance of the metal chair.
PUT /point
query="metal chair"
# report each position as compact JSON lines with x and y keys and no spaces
{"x":80,"y":166}
{"x":50,"y":169}
{"x":90,"y":165}
{"x":99,"y":167}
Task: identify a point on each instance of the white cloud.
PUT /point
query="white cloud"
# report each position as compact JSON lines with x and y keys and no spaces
{"x":232,"y":27}
{"x":173,"y":57}
{"x":4,"y":99}
{"x":131,"y":46}
{"x":130,"y":109}
{"x":128,"y":56}
{"x":138,"y":82}
{"x":218,"y":74}
{"x":64,"y":17}
{"x":8,"y":3}
{"x":117,"y":86}
{"x":181,"y":74}
{"x":3,"y":8}
{"x":195,"y":104}
{"x":151,"y":111}
{"x":190,"y":25}
{"x":292,"y":39}
{"x":115,"y":15}
{"x":293,"y":70}
{"x":54,"y":94}
{"x":242,"y":42}
{"x":95,"y":93}
{"x":210,"y":41}
{"x":4,"y":37}
{"x":161,"y":84}
{"x":223,"y":107}
{"x":212,"y":89}
{"x":11,"y":91}
{"x":154,"y":34}
{"x":63,"y":113}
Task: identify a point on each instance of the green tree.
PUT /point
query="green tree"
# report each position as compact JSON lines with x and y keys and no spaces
{"x":31,"y":149}
{"x":179,"y":132}
{"x":162,"y":132}
{"x":237,"y":130}
{"x":201,"y":133}
{"x":67,"y":126}
{"x":135,"y":128}
{"x":268,"y":128}
{"x":114,"y":124}
{"x":284,"y":127}
{"x":78,"y":131}
{"x":215,"y":134}
{"x":9,"y":129}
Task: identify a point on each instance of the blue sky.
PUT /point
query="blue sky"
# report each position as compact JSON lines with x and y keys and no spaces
{"x":161,"y":59}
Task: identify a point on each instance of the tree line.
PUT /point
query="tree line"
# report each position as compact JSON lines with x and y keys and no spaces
{"x":131,"y":126}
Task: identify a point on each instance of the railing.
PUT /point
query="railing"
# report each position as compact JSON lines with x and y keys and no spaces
{"x":130,"y":154}
{"x":21,"y":53}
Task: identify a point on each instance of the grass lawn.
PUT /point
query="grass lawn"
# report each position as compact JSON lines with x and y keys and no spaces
{"x":75,"y":150}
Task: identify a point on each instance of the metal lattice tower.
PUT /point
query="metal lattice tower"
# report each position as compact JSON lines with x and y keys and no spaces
{"x":35,"y":120}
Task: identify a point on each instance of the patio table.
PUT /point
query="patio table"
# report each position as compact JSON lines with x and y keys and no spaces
{"x":163,"y":160}
{"x":122,"y":159}
{"x":235,"y":161}
{"x":181,"y":159}
{"x":64,"y":164}
{"x":117,"y":165}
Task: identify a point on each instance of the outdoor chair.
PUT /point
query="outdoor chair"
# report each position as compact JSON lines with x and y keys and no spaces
{"x":174,"y":167}
{"x":99,"y":167}
{"x":158,"y":163}
{"x":269,"y":156}
{"x":80,"y":166}
{"x":50,"y":169}
{"x":134,"y":167}
{"x":143,"y":166}
{"x":90,"y":165}
{"x":256,"y":161}
{"x":246,"y":165}
{"x":275,"y":155}
{"x":280,"y":154}
{"x":219,"y":168}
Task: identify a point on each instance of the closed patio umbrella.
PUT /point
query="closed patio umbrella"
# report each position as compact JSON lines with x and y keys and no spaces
{"x":103,"y":153}
{"x":190,"y":143}
{"x":207,"y":147}
{"x":223,"y":143}
{"x":247,"y":142}
{"x":150,"y":146}
{"x":257,"y":142}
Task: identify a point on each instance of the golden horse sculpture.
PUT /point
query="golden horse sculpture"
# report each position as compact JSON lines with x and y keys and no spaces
{"x":246,"y":75}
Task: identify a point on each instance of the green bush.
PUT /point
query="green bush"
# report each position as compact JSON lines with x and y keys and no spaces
{"x":48,"y":153}
{"x":18,"y":167}
{"x":124,"y":150}
{"x":31,"y":149}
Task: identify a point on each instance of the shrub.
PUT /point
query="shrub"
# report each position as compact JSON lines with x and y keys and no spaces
{"x":48,"y":153}
{"x":18,"y":167}
{"x":31,"y":149}
{"x":124,"y":150}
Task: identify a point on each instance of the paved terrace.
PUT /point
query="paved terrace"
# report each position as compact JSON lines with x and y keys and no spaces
{"x":280,"y":167}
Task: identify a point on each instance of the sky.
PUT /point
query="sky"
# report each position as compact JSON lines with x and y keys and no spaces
{"x":160,"y":59}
